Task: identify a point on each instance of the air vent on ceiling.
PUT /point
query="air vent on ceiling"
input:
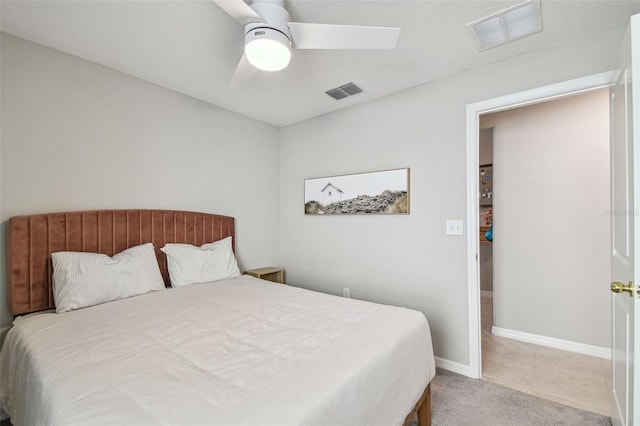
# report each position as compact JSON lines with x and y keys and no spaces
{"x":507,"y":25}
{"x":344,"y":91}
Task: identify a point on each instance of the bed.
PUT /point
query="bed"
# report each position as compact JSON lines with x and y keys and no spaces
{"x":239,"y":351}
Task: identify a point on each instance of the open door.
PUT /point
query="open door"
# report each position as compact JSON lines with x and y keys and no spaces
{"x":625,"y":231}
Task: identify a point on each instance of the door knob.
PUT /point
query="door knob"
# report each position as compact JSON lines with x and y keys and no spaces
{"x":618,"y":287}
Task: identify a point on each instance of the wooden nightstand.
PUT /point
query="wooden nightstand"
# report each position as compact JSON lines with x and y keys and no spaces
{"x":270,"y":274}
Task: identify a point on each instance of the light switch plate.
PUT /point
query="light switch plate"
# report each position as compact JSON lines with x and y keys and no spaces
{"x":454,"y":227}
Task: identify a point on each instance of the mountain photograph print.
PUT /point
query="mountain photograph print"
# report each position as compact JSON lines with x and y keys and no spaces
{"x":384,"y":192}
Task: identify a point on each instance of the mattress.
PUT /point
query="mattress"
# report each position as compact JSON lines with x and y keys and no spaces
{"x":236,"y":352}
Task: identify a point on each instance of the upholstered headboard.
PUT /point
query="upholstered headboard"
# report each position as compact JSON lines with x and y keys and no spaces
{"x":32,"y":239}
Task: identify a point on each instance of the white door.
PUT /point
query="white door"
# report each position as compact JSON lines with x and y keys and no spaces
{"x":625,"y":231}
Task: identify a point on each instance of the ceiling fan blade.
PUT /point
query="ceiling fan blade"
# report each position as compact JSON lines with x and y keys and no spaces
{"x":243,"y":75}
{"x":239,"y":10}
{"x":325,"y":36}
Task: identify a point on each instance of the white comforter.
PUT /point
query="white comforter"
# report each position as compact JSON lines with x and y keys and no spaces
{"x":236,"y":352}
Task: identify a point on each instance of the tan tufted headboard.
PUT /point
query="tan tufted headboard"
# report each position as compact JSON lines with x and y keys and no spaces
{"x":32,"y":239}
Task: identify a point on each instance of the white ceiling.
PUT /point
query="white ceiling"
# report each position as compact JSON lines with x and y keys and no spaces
{"x":192,"y":46}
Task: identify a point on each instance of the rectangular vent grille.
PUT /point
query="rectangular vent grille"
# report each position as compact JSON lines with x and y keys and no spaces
{"x":344,"y":91}
{"x":350,"y":89}
{"x":337,"y":94}
{"x":507,"y":25}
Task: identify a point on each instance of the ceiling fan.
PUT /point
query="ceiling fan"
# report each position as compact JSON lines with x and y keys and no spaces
{"x":269,"y":36}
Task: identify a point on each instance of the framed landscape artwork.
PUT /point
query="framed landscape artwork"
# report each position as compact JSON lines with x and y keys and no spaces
{"x":384,"y":192}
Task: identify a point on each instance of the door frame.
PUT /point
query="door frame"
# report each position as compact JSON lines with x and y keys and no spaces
{"x":474,"y":111}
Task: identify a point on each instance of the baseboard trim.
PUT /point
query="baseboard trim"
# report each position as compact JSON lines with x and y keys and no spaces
{"x":454,"y":367}
{"x":552,"y":342}
{"x":486,"y":293}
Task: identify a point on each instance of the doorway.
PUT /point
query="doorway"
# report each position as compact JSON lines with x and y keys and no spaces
{"x":550,"y":191}
{"x":474,"y":111}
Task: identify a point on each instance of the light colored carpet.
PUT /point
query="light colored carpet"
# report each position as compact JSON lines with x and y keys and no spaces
{"x":460,"y":401}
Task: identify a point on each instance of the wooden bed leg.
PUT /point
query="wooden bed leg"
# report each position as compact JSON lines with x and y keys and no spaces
{"x":424,"y":411}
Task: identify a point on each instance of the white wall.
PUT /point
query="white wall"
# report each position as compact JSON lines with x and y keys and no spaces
{"x":486,"y":266}
{"x":76,"y":135}
{"x":408,"y":260}
{"x":485,"y":146}
{"x":551,"y":194}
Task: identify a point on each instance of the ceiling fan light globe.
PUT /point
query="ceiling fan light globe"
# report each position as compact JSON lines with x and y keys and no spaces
{"x":267,"y":50}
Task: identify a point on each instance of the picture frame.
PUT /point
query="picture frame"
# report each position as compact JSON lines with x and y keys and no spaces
{"x":383,"y":192}
{"x":485,"y":185}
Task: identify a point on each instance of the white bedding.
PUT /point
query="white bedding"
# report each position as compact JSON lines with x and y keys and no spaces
{"x":236,"y":352}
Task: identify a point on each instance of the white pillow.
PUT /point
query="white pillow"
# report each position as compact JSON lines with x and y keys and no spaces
{"x":189,"y":264}
{"x":86,"y":279}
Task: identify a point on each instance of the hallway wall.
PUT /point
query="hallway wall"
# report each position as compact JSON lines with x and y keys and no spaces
{"x":551,"y":228}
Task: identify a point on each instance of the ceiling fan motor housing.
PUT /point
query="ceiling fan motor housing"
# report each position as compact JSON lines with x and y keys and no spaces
{"x":267,"y":44}
{"x":275,"y":17}
{"x":263,"y":32}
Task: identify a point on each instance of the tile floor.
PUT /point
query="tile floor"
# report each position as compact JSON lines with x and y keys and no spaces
{"x":580,"y":381}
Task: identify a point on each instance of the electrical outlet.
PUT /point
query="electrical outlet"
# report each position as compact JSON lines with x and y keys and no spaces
{"x":346,"y":292}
